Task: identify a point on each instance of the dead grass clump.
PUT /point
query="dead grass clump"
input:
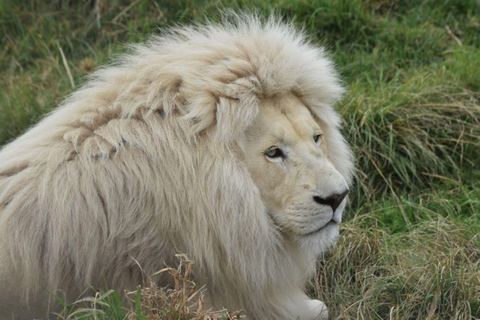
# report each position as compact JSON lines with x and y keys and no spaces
{"x":182,"y":302}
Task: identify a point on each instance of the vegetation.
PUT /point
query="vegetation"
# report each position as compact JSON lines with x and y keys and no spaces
{"x":410,"y":246}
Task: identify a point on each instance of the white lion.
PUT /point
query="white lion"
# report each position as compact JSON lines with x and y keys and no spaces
{"x":216,"y":141}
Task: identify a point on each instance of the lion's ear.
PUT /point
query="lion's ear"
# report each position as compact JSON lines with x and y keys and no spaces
{"x":237,"y":107}
{"x":242,"y":88}
{"x":228,"y":111}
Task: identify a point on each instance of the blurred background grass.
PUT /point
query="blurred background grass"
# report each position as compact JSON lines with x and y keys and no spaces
{"x":410,"y":246}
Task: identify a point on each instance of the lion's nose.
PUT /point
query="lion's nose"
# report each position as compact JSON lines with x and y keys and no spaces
{"x":333,"y":201}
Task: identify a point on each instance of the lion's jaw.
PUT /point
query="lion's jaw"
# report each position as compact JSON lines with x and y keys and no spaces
{"x":298,"y":182}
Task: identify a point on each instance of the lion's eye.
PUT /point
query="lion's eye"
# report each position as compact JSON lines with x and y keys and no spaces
{"x":274,"y":154}
{"x":317,"y":137}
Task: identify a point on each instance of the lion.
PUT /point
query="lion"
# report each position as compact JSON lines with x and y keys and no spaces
{"x":217,"y":140}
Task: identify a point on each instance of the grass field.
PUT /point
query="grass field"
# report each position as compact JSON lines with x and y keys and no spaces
{"x":410,"y":245}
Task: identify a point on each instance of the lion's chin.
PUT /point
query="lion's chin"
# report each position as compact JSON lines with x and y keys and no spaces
{"x":321,"y":229}
{"x":319,"y":241}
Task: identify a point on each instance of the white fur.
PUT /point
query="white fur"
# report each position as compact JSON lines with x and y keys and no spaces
{"x":143,"y":162}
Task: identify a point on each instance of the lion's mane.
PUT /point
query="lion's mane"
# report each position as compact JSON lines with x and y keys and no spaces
{"x":145,"y":161}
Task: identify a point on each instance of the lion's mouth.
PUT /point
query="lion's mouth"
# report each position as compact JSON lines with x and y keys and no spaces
{"x":330,"y":223}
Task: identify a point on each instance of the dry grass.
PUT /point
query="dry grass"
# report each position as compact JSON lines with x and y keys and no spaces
{"x":183,"y":301}
{"x":432,"y":272}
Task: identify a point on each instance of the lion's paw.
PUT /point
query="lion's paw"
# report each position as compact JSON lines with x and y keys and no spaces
{"x":318,"y":309}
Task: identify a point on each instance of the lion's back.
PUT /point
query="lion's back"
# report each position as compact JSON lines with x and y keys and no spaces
{"x":84,"y":189}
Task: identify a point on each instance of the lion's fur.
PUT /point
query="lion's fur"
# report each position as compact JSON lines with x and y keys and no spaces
{"x":145,"y":161}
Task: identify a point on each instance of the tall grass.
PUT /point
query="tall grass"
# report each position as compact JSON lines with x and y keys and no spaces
{"x":410,"y":246}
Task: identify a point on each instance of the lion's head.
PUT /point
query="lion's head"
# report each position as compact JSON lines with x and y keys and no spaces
{"x":287,"y":156}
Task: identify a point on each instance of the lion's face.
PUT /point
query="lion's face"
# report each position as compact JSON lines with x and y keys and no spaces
{"x":287,"y":156}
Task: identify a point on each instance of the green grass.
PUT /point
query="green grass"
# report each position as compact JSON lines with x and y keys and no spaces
{"x":410,"y":245}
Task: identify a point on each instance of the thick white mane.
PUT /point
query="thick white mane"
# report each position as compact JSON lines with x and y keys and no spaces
{"x":145,"y":161}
